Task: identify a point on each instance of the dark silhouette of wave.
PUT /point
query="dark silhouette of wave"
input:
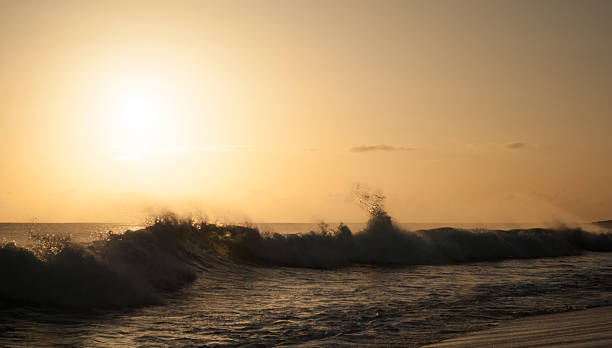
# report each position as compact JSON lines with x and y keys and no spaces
{"x":137,"y":267}
{"x":604,"y":224}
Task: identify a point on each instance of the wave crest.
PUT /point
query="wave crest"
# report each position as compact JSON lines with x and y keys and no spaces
{"x":384,"y":243}
{"x":138,"y":267}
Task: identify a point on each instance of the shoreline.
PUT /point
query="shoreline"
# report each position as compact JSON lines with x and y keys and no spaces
{"x":590,"y":327}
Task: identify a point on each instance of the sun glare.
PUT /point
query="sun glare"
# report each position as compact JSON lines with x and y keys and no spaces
{"x":139,"y":112}
{"x":139,"y":116}
{"x":147,"y":109}
{"x":137,"y":124}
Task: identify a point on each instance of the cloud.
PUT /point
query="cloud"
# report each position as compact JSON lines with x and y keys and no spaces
{"x":381,"y":147}
{"x":516,"y":146}
{"x":224,"y":148}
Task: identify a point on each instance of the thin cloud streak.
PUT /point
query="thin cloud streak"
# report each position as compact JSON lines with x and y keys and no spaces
{"x":224,"y":148}
{"x":516,"y":146}
{"x":381,"y":147}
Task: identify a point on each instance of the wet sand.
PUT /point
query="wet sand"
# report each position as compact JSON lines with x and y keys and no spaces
{"x":583,"y":328}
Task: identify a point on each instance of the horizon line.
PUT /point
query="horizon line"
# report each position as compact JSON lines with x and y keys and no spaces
{"x":300,"y":222}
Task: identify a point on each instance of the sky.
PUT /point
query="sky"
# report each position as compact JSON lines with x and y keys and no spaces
{"x":273,"y":111}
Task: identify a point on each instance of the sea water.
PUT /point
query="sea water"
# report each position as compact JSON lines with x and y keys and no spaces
{"x":185,"y":283}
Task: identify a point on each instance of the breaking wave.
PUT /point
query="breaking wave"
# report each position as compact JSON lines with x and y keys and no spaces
{"x":130,"y":269}
{"x":138,"y":267}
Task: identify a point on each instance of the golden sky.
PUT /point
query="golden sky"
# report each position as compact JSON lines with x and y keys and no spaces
{"x":458,"y":111}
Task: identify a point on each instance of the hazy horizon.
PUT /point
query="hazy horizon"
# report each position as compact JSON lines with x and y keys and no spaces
{"x":331,"y":224}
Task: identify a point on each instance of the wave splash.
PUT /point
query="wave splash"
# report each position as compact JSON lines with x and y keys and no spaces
{"x":138,"y":267}
{"x":382,"y":242}
{"x":130,"y":269}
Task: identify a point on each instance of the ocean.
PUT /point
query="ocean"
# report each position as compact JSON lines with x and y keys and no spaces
{"x":186,"y":283}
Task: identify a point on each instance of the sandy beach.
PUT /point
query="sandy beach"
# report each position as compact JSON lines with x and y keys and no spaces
{"x":583,"y":328}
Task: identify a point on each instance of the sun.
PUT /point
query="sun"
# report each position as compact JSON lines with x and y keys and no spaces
{"x":145,"y":113}
{"x":137,"y":121}
{"x":138,"y":116}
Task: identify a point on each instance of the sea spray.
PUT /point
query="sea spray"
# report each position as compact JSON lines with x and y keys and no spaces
{"x":128,"y":269}
{"x":382,"y":242}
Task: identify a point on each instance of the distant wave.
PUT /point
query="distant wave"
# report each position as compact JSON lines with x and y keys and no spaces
{"x":383,"y":243}
{"x":138,"y":267}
